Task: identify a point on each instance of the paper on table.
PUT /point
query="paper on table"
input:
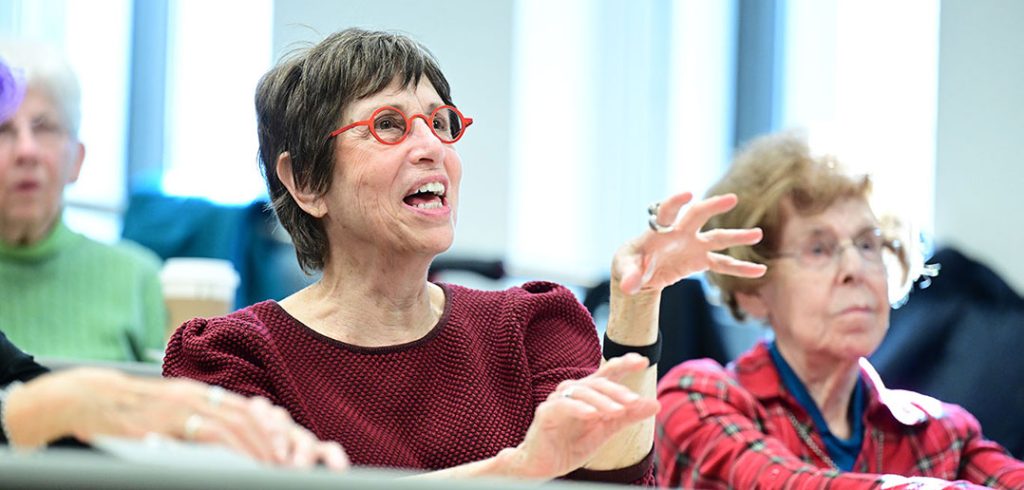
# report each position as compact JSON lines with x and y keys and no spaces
{"x":155,"y":449}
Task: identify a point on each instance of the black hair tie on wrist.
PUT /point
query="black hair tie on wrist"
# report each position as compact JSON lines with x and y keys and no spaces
{"x":614,"y":349}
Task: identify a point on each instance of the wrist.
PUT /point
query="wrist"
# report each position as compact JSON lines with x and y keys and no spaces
{"x":611,"y":349}
{"x":633,"y":318}
{"x":511,"y":463}
{"x":24,"y":419}
{"x":5,"y":396}
{"x":41,"y":411}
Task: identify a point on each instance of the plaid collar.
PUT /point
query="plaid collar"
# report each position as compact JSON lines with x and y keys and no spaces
{"x":755,"y":371}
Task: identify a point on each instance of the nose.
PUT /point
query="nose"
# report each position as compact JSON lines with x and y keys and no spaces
{"x":851,"y":263}
{"x":26,"y":147}
{"x":427,"y":147}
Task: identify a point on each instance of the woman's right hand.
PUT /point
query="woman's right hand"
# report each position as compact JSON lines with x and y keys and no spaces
{"x":576,"y":419}
{"x":89,"y":402}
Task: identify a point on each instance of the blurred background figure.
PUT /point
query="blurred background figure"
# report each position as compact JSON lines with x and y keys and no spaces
{"x":77,"y":406}
{"x":63,"y":294}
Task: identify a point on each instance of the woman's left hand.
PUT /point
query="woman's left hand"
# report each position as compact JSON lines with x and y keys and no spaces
{"x":577,"y":418}
{"x":656,"y":260}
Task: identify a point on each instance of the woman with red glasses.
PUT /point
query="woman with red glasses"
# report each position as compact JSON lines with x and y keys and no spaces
{"x":357,"y":142}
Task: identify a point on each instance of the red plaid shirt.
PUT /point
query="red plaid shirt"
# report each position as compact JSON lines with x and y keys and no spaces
{"x":734,"y":428}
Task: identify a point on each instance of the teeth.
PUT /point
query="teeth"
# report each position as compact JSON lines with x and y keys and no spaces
{"x":435,"y":188}
{"x":429,"y":205}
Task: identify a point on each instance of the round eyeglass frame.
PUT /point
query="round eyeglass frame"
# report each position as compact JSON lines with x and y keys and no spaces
{"x":840,"y":249}
{"x":466,"y":122}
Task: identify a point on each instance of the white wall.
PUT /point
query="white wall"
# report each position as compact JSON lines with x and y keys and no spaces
{"x":473,"y":41}
{"x":979,"y":194}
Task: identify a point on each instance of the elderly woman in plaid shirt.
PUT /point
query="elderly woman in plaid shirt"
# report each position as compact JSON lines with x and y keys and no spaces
{"x":807,"y":410}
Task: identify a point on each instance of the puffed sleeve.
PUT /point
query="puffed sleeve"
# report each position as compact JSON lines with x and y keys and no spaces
{"x":559,"y":337}
{"x":230,"y":351}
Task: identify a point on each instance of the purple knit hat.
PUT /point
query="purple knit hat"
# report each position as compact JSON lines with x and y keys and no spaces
{"x":12,"y":89}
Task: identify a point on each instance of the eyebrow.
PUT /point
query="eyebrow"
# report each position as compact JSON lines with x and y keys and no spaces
{"x":818,"y":231}
{"x":402,"y":107}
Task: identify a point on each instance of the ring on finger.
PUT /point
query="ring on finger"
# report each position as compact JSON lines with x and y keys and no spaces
{"x":192,"y":425}
{"x":652,"y":221}
{"x":569,"y":392}
{"x":214,"y":396}
{"x":653,"y":208}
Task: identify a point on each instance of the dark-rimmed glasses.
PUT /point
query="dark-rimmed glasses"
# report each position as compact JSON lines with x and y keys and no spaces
{"x":391,"y":126}
{"x":822,"y":250}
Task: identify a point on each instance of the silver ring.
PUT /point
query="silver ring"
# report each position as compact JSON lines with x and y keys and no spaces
{"x":192,"y":425}
{"x":652,"y":220}
{"x":653,"y":208}
{"x":568,"y":392}
{"x":214,"y":396}
{"x":655,"y":227}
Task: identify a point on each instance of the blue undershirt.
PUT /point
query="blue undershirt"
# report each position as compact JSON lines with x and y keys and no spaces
{"x":843,"y":452}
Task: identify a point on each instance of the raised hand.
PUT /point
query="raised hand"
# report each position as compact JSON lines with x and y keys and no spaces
{"x":678,"y":248}
{"x":577,"y":418}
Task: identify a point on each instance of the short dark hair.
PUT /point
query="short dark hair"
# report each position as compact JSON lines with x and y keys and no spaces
{"x":302,"y":99}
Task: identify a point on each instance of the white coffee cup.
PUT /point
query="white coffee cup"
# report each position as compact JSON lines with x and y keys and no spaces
{"x":197,"y":287}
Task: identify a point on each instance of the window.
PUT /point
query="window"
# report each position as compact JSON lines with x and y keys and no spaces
{"x":617,"y":104}
{"x":870,"y":98}
{"x":213,"y":66}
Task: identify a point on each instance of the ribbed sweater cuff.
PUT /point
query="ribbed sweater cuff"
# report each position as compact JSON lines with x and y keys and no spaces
{"x":625,"y":476}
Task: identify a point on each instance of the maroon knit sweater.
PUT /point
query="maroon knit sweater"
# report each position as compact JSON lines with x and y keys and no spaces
{"x":462,"y":393}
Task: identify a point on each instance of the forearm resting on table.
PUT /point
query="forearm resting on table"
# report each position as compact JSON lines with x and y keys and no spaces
{"x":507,"y":464}
{"x":633,"y":321}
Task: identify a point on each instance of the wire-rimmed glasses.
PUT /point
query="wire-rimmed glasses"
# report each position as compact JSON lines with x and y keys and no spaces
{"x":823,"y":249}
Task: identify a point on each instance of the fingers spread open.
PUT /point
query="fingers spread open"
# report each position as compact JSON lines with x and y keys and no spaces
{"x":720,"y":239}
{"x":668,"y":210}
{"x":724,"y":264}
{"x":701,"y":211}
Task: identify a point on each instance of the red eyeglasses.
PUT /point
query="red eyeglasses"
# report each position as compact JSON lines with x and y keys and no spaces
{"x":391,"y":126}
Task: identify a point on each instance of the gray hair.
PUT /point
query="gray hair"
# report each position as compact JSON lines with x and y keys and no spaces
{"x":302,"y":99}
{"x":46,"y":68}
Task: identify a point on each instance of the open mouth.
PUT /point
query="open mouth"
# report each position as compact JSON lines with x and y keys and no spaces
{"x":428,"y":196}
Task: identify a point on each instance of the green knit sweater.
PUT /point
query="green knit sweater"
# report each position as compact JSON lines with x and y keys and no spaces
{"x":72,"y":297}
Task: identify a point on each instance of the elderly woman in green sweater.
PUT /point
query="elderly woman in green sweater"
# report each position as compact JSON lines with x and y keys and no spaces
{"x":83,"y":405}
{"x":63,"y":295}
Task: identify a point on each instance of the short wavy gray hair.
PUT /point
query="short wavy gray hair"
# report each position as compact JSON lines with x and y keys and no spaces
{"x":779,"y":172}
{"x":45,"y":68}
